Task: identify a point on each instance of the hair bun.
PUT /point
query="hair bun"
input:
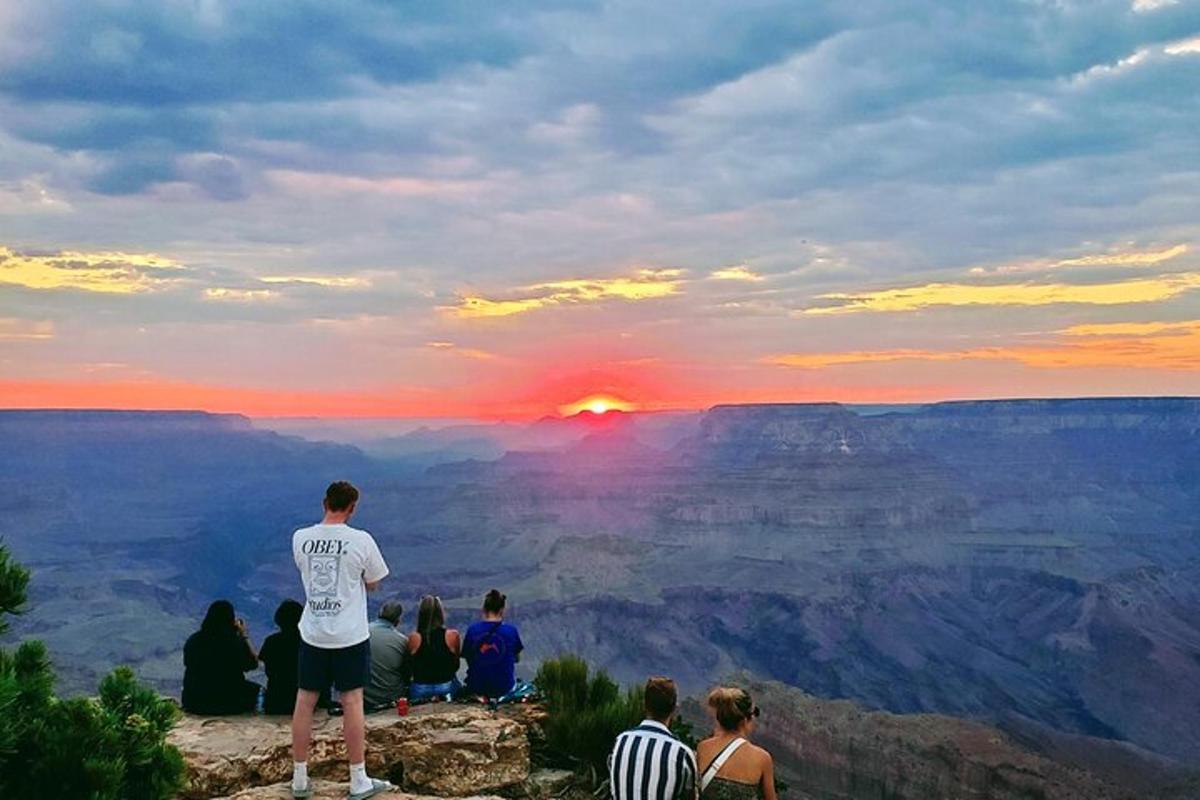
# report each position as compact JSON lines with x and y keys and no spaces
{"x":731,"y":706}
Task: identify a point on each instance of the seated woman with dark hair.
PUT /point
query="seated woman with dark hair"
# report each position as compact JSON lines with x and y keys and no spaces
{"x":280,"y":655}
{"x":433,"y":653}
{"x":492,"y":650}
{"x":215,"y":660}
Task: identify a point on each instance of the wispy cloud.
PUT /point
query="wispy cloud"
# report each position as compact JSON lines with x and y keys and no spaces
{"x":1125,"y":258}
{"x":1113,"y":258}
{"x":1131,"y":328}
{"x":102,"y":271}
{"x":1185,"y":47}
{"x":326,"y":183}
{"x":933,"y":295}
{"x":472,"y":353}
{"x":30,"y":196}
{"x":1151,"y":345}
{"x":647,"y":284}
{"x":233,"y":295}
{"x":1152,"y":5}
{"x":12,"y":329}
{"x":735,"y":273}
{"x":327,"y":281}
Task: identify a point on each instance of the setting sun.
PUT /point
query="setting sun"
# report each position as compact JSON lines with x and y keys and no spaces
{"x":596,"y":404}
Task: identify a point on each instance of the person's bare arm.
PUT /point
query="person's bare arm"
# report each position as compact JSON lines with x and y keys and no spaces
{"x":375,"y":569}
{"x":768,"y":777}
{"x":251,"y":661}
{"x":454,"y":641}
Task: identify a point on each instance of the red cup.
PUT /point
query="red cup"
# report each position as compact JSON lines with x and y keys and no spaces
{"x":402,"y":707}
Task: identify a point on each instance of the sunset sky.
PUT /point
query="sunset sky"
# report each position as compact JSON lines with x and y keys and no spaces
{"x":500,"y":209}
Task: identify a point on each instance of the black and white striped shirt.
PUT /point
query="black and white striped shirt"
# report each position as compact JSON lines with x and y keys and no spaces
{"x":649,"y":763}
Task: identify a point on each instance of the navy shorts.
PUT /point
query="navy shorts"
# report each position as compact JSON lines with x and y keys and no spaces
{"x":344,"y":668}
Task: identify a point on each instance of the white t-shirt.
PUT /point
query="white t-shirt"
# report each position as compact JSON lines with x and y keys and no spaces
{"x":336,"y":562}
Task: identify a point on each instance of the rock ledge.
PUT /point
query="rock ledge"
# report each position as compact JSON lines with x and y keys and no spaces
{"x":438,"y":750}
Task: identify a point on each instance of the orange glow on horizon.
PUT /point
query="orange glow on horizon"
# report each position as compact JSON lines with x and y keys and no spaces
{"x":414,"y":402}
{"x":597,"y":404}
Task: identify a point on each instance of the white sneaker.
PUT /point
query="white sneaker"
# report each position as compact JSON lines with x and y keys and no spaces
{"x":377,"y":787}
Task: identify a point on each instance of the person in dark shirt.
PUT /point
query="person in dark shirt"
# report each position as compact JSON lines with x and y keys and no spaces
{"x":492,"y":650}
{"x":433,"y":653}
{"x":280,"y":655}
{"x":215,"y":660}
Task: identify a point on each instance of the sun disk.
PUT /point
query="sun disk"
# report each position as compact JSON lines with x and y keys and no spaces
{"x":596,"y":404}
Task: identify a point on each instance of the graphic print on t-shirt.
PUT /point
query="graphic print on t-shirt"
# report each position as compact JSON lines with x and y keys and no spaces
{"x":325,"y":571}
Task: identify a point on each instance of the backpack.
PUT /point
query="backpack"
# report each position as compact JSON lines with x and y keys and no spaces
{"x":491,"y":648}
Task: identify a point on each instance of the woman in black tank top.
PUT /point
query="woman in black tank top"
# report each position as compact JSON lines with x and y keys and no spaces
{"x":433,"y":653}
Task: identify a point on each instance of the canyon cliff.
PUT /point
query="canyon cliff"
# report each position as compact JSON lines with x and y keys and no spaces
{"x":1020,"y":560}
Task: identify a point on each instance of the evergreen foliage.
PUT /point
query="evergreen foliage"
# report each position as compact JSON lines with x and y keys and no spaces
{"x":111,"y":747}
{"x":14,"y":579}
{"x":587,"y":711}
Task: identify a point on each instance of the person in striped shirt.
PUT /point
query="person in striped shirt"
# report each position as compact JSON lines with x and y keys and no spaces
{"x":648,"y":762}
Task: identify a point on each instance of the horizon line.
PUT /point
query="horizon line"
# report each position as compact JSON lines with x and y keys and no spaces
{"x":498,"y":419}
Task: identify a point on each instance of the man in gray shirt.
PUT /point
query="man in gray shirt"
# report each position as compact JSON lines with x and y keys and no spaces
{"x":389,"y":652}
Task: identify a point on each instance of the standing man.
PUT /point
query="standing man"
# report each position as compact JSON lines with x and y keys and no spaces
{"x":338,"y":565}
{"x":648,"y":762}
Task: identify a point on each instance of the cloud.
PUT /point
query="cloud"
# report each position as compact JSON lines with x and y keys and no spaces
{"x":1113,"y":258}
{"x":333,"y":183}
{"x":1139,"y":346}
{"x":935,"y":295}
{"x":14,"y":330}
{"x":466,"y":352}
{"x":106,"y":272}
{"x":646,"y":284}
{"x":823,"y":360}
{"x":146,"y":55}
{"x":1152,"y":5}
{"x":1129,"y":258}
{"x":735,"y":273}
{"x":1131,"y":328}
{"x":327,"y":281}
{"x":217,"y":176}
{"x":1185,"y":47}
{"x":441,"y":155}
{"x":30,"y":196}
{"x":235,"y":295}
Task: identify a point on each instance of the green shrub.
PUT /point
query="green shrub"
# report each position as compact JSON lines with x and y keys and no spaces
{"x":588,"y":711}
{"x":111,"y":747}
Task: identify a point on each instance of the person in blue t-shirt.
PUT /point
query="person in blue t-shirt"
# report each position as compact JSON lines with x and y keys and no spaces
{"x":492,"y":649}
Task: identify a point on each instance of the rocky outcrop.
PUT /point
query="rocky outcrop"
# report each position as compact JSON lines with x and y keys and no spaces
{"x":328,"y":790}
{"x":445,"y":751}
{"x":823,"y":749}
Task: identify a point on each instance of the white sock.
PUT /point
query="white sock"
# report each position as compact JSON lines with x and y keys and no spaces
{"x":299,"y":775}
{"x":359,"y":782}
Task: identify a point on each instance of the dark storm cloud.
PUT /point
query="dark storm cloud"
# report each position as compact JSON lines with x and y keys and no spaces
{"x":164,"y":53}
